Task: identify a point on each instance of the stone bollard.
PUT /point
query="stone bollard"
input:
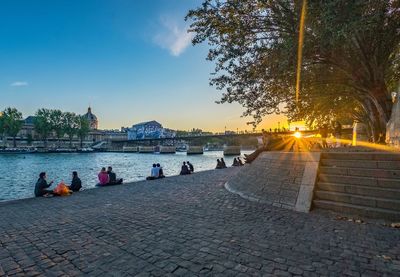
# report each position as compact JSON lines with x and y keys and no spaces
{"x":232,"y":150}
{"x":146,"y":149}
{"x":194,"y":150}
{"x":130,"y":149}
{"x":167,"y":149}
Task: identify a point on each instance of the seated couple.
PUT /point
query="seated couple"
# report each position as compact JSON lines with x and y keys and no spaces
{"x":108,"y":178}
{"x":156,"y":172}
{"x":220,"y":164}
{"x":41,"y":187}
{"x":186,"y":168}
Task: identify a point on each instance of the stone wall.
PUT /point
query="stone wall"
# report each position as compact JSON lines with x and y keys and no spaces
{"x":282,"y":179}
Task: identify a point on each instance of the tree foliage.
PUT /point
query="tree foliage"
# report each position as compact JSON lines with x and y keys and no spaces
{"x":83,"y":128}
{"x":42,"y":124}
{"x":11,"y":123}
{"x":351,"y":56}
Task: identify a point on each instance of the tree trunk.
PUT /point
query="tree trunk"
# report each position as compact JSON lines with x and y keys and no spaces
{"x":14,"y":142}
{"x":381,"y":109}
{"x":81,"y":141}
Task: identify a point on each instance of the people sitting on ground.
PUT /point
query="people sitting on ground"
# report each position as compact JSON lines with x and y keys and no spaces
{"x":76,"y":183}
{"x":223,"y":163}
{"x":235,"y":162}
{"x":112,"y":177}
{"x":42,"y":185}
{"x":190,"y":166}
{"x":160,"y":171}
{"x":103,"y":177}
{"x":155,"y":172}
{"x":219,"y":165}
{"x":184,"y":169}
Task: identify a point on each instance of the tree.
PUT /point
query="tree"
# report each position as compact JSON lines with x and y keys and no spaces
{"x":57,"y":123}
{"x":2,"y":128}
{"x":43,"y":124}
{"x":83,"y":128}
{"x":12,"y":123}
{"x":351,"y":52}
{"x":71,"y":125}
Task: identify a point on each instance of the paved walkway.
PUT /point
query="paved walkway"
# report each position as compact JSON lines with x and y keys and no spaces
{"x":185,"y":226}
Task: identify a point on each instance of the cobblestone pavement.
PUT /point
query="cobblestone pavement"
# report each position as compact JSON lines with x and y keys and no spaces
{"x":185,"y":226}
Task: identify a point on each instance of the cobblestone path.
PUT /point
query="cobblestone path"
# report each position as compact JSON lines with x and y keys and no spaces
{"x":185,"y":226}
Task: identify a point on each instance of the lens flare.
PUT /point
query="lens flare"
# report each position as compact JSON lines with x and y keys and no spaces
{"x":297,"y":135}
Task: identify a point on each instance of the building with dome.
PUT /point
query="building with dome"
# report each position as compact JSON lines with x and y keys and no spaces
{"x":93,"y":122}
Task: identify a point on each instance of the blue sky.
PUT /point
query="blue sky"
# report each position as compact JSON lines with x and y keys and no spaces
{"x":131,"y":60}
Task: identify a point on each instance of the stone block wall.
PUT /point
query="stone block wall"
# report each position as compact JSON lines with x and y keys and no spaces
{"x":283,"y":179}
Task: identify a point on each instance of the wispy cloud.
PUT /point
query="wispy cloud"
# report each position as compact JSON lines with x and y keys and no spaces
{"x":173,"y":35}
{"x":19,"y":84}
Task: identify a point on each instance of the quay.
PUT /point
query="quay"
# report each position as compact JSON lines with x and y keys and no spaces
{"x":186,"y":226}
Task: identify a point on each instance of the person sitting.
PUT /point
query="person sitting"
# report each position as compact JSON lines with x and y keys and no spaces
{"x":184,"y":169}
{"x":240,"y":161}
{"x":190,"y":166}
{"x":42,"y":185}
{"x":223,"y":163}
{"x":76,"y":183}
{"x":219,"y":164}
{"x":235,"y":162}
{"x":160,"y":171}
{"x":112,"y":177}
{"x":155,"y":172}
{"x":103,"y":177}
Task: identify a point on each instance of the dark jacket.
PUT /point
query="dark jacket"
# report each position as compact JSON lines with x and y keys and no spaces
{"x":40,"y":187}
{"x":112,"y":177}
{"x":76,"y":184}
{"x":184,"y":170}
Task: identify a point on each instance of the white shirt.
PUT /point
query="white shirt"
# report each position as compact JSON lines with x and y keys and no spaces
{"x":155,"y":171}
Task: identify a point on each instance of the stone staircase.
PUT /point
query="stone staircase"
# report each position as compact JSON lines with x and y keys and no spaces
{"x":364,"y":184}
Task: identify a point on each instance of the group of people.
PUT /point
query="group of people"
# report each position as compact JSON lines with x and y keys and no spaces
{"x":186,"y":168}
{"x":237,"y":162}
{"x":108,"y":177}
{"x":41,"y":187}
{"x":156,"y":172}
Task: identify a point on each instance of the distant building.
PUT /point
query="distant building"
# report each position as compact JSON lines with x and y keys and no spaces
{"x":93,"y":122}
{"x":149,"y":129}
{"x":28,"y":127}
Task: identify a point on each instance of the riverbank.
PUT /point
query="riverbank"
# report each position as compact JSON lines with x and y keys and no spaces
{"x":20,"y":172}
{"x":185,"y":225}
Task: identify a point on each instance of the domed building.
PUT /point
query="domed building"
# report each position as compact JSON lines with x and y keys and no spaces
{"x":93,"y":122}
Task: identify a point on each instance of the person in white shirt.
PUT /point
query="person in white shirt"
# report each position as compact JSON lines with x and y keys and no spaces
{"x":155,"y":171}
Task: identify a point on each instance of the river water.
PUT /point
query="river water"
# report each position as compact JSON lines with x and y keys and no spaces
{"x":20,"y":172}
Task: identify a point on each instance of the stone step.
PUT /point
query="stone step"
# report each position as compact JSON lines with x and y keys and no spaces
{"x":362,"y":172}
{"x":360,"y":190}
{"x":357,"y":210}
{"x":358,"y":180}
{"x":366,"y":201}
{"x":361,"y":163}
{"x":369,"y":156}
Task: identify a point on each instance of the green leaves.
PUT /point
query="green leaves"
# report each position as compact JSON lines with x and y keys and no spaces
{"x":351,"y":51}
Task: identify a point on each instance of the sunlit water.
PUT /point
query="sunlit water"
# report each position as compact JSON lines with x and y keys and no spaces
{"x":20,"y":172}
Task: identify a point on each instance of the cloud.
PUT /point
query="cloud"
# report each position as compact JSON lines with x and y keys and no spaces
{"x":173,"y":35}
{"x":19,"y":84}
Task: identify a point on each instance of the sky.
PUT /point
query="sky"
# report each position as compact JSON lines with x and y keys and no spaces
{"x":130,"y":60}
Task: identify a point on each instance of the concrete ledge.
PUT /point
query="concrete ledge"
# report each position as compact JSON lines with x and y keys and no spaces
{"x":281,"y":179}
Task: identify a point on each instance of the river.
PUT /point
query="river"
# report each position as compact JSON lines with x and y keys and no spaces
{"x":20,"y":172}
